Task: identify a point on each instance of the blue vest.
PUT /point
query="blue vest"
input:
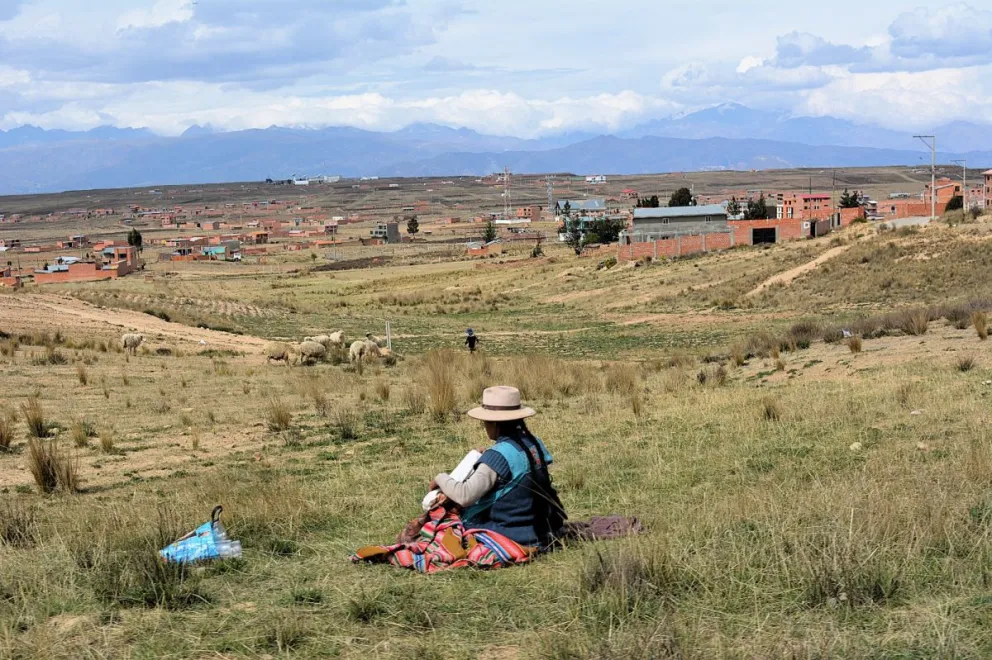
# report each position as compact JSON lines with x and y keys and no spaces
{"x":509,"y":508}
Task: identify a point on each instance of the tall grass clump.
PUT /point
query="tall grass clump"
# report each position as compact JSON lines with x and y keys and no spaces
{"x":107,"y":439}
{"x":621,"y":379}
{"x":966,"y":363}
{"x":915,"y":322}
{"x":278,"y":415}
{"x":8,"y":423}
{"x":440,"y":379}
{"x":346,"y":422}
{"x":980,"y":321}
{"x":82,"y":375}
{"x":382,"y":390}
{"x":415,"y":400}
{"x":34,"y":417}
{"x":81,"y":431}
{"x":52,"y":468}
{"x":17,"y":525}
{"x":854,"y":343}
{"x":804,"y":333}
{"x":771,"y":409}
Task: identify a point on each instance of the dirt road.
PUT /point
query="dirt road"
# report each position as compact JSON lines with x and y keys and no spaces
{"x":786,"y":277}
{"x":37,"y":311}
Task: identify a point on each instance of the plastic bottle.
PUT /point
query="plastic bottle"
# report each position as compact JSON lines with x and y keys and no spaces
{"x":229,"y":549}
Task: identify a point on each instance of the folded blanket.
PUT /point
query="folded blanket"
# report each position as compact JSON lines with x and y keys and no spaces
{"x":443,"y":543}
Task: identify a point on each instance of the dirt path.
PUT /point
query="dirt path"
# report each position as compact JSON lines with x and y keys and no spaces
{"x":788,"y":276}
{"x":33,"y":311}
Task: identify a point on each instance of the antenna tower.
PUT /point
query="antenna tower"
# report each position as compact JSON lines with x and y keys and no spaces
{"x":507,"y":206}
{"x":551,"y":192}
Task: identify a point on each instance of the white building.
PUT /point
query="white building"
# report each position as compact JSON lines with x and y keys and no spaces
{"x":598,"y":178}
{"x":301,"y":182}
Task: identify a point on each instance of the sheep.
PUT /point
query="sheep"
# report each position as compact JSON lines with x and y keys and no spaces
{"x":311,"y":351}
{"x":378,"y":341}
{"x":131,"y":342}
{"x":323,"y":340}
{"x":363,"y":349}
{"x":278,"y":353}
{"x":337,"y":338}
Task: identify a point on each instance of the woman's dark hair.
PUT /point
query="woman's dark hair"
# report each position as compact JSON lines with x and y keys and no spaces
{"x":514,"y":428}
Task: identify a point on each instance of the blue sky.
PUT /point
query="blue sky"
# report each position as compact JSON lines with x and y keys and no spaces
{"x":517,"y":67}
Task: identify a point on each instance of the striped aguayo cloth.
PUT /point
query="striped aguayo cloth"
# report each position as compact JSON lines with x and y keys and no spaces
{"x":444,"y":543}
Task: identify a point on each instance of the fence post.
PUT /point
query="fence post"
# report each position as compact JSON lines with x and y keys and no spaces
{"x":678,"y":245}
{"x":704,"y":241}
{"x":389,"y":337}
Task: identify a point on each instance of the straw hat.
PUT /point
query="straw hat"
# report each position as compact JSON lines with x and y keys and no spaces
{"x":501,"y":404}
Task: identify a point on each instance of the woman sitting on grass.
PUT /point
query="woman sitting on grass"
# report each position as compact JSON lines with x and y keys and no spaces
{"x":510,"y":491}
{"x":505,"y":513}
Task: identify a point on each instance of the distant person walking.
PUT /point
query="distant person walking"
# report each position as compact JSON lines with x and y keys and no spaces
{"x":471,"y":340}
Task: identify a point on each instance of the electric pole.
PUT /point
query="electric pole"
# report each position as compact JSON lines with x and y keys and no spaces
{"x":964,"y":184}
{"x":932,"y":143}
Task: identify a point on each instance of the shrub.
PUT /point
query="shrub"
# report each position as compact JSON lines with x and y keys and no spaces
{"x":832,"y":335}
{"x":714,"y":377}
{"x":979,"y":320}
{"x":966,"y":363}
{"x":53,"y":470}
{"x":779,"y":364}
{"x":805,"y":333}
{"x":7,"y":429}
{"x":158,"y":314}
{"x":53,"y":357}
{"x":82,"y":375}
{"x":34,"y":417}
{"x":440,"y":379}
{"x":277,"y":414}
{"x":854,"y":343}
{"x":959,"y":316}
{"x":915,"y":322}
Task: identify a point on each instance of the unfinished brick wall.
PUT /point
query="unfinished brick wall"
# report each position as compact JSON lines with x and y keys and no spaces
{"x":675,"y":246}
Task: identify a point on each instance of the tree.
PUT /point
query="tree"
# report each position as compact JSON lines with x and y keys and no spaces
{"x":651,"y":202}
{"x":956,"y":203}
{"x":573,"y":234}
{"x":733,"y":207}
{"x":567,"y":209}
{"x":849,"y":200}
{"x":489,"y":233}
{"x":681,"y":197}
{"x":603,"y":230}
{"x":134,"y":239}
{"x":756,"y":210}
{"x":412,"y":225}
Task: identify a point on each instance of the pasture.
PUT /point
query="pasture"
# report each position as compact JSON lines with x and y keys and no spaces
{"x":807,"y":494}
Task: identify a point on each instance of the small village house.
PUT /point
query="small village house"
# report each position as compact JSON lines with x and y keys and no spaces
{"x":387,"y":232}
{"x":988,"y":189}
{"x":580,"y":206}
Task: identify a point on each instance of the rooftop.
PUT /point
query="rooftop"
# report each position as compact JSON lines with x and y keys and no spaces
{"x":584,"y":204}
{"x":680,"y":212}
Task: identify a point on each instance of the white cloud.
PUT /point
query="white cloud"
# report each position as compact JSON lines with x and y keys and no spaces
{"x":161,"y":13}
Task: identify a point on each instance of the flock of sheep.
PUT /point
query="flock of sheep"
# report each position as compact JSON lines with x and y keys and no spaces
{"x":314,"y":349}
{"x":310,"y":350}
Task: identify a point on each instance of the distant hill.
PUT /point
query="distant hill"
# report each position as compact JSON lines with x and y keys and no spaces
{"x":33,"y":160}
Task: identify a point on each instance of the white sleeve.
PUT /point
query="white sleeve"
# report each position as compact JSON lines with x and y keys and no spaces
{"x":465,"y":493}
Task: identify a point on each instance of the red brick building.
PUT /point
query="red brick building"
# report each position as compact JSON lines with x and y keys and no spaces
{"x":988,"y":189}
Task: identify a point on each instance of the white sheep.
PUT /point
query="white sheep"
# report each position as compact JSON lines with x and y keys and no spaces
{"x":378,"y":341}
{"x":323,"y":340}
{"x":278,"y":353}
{"x":363,"y":349}
{"x":337,"y":338}
{"x":131,"y":342}
{"x":311,"y":351}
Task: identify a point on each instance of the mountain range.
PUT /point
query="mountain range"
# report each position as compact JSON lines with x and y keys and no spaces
{"x":725,"y":137}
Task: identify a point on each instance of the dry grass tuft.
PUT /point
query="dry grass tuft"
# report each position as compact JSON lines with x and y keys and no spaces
{"x":8,"y":423}
{"x":980,"y":321}
{"x":278,"y":415}
{"x":854,"y":343}
{"x":713,"y":376}
{"x":346,"y":421}
{"x":771,"y":409}
{"x":53,"y":469}
{"x":779,"y":364}
{"x":82,"y":375}
{"x":81,"y":431}
{"x":621,"y":379}
{"x":382,"y":390}
{"x":966,"y":363}
{"x":17,"y":525}
{"x":34,"y":417}
{"x":107,"y":439}
{"x":415,"y":400}
{"x":440,"y":379}
{"x":915,"y":322}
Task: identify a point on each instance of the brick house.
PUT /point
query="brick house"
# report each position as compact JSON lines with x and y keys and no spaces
{"x":988,"y":189}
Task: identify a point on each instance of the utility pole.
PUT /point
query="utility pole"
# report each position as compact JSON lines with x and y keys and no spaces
{"x":931,"y":141}
{"x":964,"y":184}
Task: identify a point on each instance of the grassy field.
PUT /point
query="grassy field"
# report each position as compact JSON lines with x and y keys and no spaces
{"x":806,"y":495}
